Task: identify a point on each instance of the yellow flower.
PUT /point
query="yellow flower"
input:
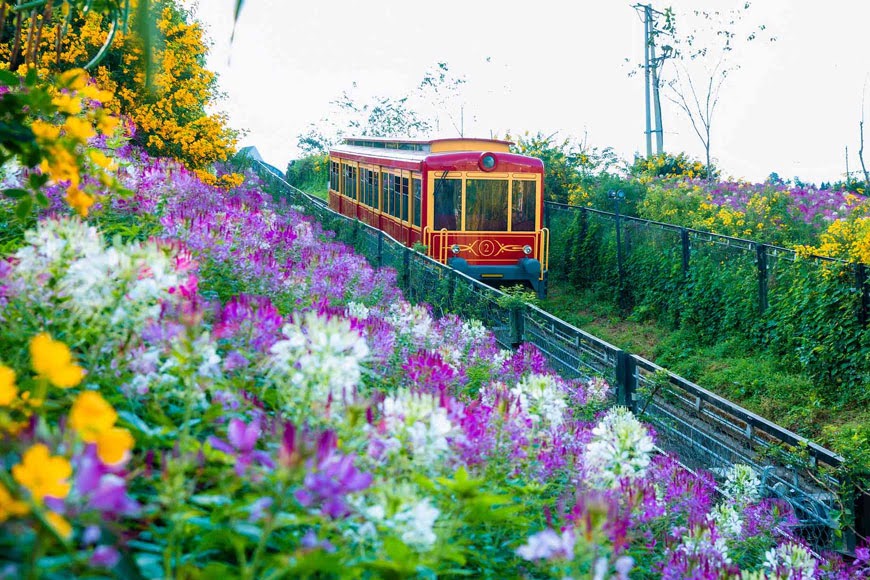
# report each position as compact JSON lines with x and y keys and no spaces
{"x":74,"y":79}
{"x":42,"y":474}
{"x":45,"y":131}
{"x":101,"y":159}
{"x":78,"y":129}
{"x":113,"y":445}
{"x":67,"y":104}
{"x":9,"y":506}
{"x":107,"y":124}
{"x":91,"y":416}
{"x":8,"y":390}
{"x":59,"y":525}
{"x":95,"y":94}
{"x":52,"y":360}
{"x":79,"y":200}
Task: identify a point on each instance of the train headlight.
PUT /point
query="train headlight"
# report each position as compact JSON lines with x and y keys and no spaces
{"x":455,"y":249}
{"x":487,"y":162}
{"x":527,"y":250}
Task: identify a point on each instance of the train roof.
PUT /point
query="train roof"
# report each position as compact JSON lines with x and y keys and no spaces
{"x":416,"y":150}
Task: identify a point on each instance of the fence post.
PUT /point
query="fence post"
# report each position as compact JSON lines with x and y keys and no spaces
{"x":684,"y":240}
{"x":761,"y":261}
{"x":626,"y":381}
{"x":547,"y":214}
{"x":406,"y":273}
{"x":380,"y":249}
{"x":863,"y":293}
{"x":517,"y":326}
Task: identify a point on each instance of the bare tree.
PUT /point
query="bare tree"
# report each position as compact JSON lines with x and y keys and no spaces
{"x":703,"y":62}
{"x":861,"y":149}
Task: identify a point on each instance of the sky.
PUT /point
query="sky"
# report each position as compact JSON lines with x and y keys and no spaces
{"x":558,"y":67}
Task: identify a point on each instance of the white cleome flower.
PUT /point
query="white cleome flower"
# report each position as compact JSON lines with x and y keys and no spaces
{"x":542,"y":398}
{"x":410,"y":320}
{"x":357,"y":310}
{"x":548,"y":545}
{"x":415,"y":524}
{"x":728,"y":521}
{"x":597,"y":389}
{"x":699,"y":542}
{"x":473,"y":331}
{"x":620,"y":448}
{"x":120,"y":286}
{"x":419,"y":423}
{"x":742,"y":486}
{"x":791,"y":561}
{"x":319,"y":356}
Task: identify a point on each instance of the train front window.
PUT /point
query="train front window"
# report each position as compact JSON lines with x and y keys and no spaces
{"x":486,"y":205}
{"x":448,"y":203}
{"x":524,"y":201}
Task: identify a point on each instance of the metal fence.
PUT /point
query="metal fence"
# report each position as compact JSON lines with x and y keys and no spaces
{"x":704,"y":430}
{"x":765,"y":263}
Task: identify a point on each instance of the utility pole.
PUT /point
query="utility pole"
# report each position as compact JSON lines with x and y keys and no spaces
{"x":647,"y":21}
{"x":651,"y":64}
{"x":660,"y":137}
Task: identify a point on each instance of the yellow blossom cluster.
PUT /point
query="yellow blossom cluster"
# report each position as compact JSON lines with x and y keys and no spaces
{"x":52,"y":360}
{"x":94,"y":420}
{"x":170,"y":114}
{"x":40,"y":474}
{"x":64,"y":138}
{"x":668,"y":165}
{"x":846,"y":239}
{"x":15,"y":410}
{"x":226,"y":181}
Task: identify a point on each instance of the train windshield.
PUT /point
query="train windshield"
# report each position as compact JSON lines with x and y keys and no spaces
{"x":448,"y":204}
{"x":486,"y":205}
{"x":523,"y":194}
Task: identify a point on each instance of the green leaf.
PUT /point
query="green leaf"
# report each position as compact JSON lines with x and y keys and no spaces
{"x":16,"y":193}
{"x":24,"y":207}
{"x":9,"y":79}
{"x":32,"y":77}
{"x":138,"y":424}
{"x":42,"y":199}
{"x":37,"y":180}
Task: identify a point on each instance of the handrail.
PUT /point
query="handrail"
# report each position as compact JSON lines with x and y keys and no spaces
{"x":697,"y":233}
{"x":756,"y":421}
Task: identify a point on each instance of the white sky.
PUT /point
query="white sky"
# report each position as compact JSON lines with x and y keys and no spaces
{"x":555,"y":66}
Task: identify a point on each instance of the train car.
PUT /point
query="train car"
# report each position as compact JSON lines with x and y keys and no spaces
{"x":475,"y":205}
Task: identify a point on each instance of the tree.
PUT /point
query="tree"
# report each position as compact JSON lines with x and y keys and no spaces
{"x":861,"y":148}
{"x":442,"y":89}
{"x":703,"y":62}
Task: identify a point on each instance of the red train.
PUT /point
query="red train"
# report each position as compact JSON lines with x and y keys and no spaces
{"x":475,"y":205}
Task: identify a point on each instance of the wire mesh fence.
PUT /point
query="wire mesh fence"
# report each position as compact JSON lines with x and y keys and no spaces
{"x":704,"y":430}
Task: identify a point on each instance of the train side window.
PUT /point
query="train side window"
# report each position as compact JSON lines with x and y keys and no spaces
{"x":385,"y":189}
{"x":486,"y":207}
{"x":418,"y":201}
{"x":396,"y":197}
{"x":366,"y":183}
{"x":350,"y":181}
{"x":524,"y":202}
{"x":388,"y":194}
{"x":333,"y":175}
{"x":404,"y":194}
{"x":448,"y":203}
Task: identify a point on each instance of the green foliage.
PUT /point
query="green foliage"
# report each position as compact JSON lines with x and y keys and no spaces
{"x":516,"y":296}
{"x":310,"y":174}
